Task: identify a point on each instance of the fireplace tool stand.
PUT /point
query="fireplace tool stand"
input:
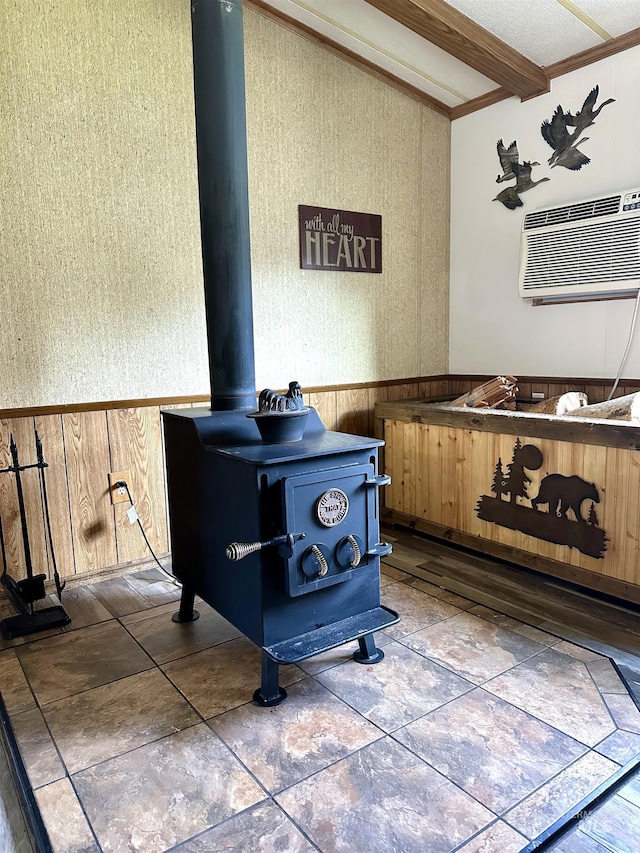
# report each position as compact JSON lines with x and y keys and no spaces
{"x":25,"y":592}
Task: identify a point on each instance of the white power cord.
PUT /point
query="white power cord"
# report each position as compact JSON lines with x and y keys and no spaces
{"x":626,"y":352}
{"x":133,"y":518}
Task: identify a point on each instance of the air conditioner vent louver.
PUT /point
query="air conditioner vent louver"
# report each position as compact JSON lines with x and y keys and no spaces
{"x":573,"y":212}
{"x":591,"y":247}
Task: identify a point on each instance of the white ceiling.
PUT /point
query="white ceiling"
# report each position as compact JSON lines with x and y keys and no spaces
{"x":542,"y":31}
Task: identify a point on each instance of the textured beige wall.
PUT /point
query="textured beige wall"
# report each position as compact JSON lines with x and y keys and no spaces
{"x":100,"y":281}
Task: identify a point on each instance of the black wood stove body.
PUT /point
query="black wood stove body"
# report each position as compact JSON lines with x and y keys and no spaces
{"x":281,"y":538}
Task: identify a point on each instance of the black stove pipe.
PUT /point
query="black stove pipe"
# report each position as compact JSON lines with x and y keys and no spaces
{"x":221,"y":133}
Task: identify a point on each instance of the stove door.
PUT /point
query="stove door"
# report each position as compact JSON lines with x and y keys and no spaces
{"x":337,"y":510}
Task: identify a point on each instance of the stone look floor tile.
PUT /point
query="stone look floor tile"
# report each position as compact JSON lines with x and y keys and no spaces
{"x":383,"y":798}
{"x":624,"y":711}
{"x":620,"y":747}
{"x":560,"y":691}
{"x":167,"y":609}
{"x":497,"y":838}
{"x":38,"y":751}
{"x":80,"y":660}
{"x":557,"y":797}
{"x":577,"y":652}
{"x":165,"y":792}
{"x":83,"y":608}
{"x":164,"y":640}
{"x":472,"y":647}
{"x":223,"y":677}
{"x":399,"y":689}
{"x":119,"y":597}
{"x":341,"y":654}
{"x":66,"y":825}
{"x":493,"y":751}
{"x":289,"y":742}
{"x":606,"y":677}
{"x":416,"y":608}
{"x":264,"y":828}
{"x":106,"y":721}
{"x":14,"y":687}
{"x":154,"y":586}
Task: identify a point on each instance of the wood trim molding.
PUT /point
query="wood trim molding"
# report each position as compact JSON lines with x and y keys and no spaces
{"x":348,"y":56}
{"x":553,"y":427}
{"x":593,"y":54}
{"x":444,"y":26}
{"x":458,"y":35}
{"x":486,"y":100}
{"x":203,"y":399}
{"x":571,"y":63}
{"x":196,"y":399}
{"x":67,"y":408}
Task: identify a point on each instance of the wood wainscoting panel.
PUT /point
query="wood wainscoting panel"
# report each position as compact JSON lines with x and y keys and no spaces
{"x":352,"y":406}
{"x":135,"y":442}
{"x":324,"y":402}
{"x":376,"y":395}
{"x":50,"y":431}
{"x":86,"y":441}
{"x":22,"y":430}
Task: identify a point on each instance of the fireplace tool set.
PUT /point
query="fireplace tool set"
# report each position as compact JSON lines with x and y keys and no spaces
{"x":23,"y":593}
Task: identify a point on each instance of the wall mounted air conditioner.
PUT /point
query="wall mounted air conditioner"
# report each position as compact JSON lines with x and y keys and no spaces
{"x":585,"y":248}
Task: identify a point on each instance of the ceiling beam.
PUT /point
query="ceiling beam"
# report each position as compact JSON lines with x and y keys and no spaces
{"x":348,"y":55}
{"x":458,"y":35}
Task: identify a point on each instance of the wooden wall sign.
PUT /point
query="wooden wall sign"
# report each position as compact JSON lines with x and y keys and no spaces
{"x":559,"y":494}
{"x":339,"y":240}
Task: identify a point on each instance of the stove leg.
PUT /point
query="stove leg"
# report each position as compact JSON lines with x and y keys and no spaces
{"x":368,"y":652}
{"x":270,"y":692}
{"x":186,"y":612}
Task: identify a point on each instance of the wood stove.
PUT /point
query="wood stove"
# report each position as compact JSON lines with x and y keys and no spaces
{"x":280,"y":537}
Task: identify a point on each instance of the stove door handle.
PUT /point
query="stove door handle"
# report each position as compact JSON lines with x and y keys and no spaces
{"x":239,"y":550}
{"x":378,"y":480}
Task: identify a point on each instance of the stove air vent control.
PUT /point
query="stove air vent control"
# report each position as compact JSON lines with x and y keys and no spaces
{"x":349,"y":552}
{"x":315,"y":561}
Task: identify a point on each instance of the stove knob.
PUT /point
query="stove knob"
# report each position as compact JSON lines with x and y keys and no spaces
{"x":349,"y":551}
{"x":315,"y":561}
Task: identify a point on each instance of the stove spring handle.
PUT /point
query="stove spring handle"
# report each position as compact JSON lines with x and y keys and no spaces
{"x":239,"y":550}
{"x":324,"y":566}
{"x":357,"y":556}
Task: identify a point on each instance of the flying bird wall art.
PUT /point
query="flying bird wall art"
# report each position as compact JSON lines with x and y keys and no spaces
{"x":512,"y":169}
{"x":563,"y":132}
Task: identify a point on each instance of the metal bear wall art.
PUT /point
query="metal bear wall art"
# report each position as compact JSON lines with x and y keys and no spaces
{"x":563,"y":511}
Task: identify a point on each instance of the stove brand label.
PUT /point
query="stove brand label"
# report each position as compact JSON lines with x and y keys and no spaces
{"x":332,"y":507}
{"x":339,"y":240}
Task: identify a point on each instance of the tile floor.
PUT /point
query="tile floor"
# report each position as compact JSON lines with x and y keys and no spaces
{"x":474,"y":734}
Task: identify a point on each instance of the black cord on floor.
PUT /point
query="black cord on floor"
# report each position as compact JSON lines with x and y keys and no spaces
{"x":123,"y":484}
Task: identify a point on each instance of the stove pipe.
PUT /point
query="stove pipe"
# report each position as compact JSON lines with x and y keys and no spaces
{"x":221,"y":134}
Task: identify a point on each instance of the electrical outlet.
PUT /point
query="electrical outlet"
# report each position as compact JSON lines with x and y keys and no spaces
{"x":537,"y":395}
{"x":119,"y":493}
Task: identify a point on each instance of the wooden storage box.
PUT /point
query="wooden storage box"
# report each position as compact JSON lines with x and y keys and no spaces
{"x":461,"y":474}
